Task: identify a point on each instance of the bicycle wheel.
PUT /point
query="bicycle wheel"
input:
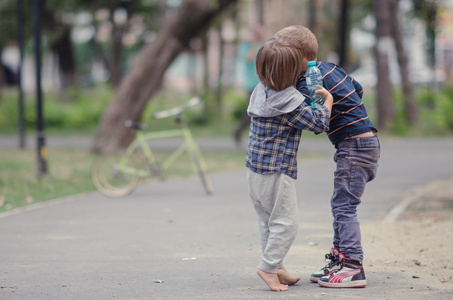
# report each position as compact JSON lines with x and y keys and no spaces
{"x":110,"y":179}
{"x":199,"y":163}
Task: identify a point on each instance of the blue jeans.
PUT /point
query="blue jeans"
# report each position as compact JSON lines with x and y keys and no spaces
{"x":357,"y":162}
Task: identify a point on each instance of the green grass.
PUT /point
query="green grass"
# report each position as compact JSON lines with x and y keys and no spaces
{"x":69,"y":173}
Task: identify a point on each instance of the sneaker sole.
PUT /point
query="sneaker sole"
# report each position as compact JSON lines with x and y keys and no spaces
{"x":350,"y":284}
{"x":314,"y":279}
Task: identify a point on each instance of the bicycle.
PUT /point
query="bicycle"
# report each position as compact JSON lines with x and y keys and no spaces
{"x":118,"y":174}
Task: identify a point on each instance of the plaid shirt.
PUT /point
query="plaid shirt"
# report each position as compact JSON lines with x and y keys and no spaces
{"x":274,"y":141}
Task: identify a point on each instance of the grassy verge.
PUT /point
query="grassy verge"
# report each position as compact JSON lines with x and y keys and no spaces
{"x":69,"y":173}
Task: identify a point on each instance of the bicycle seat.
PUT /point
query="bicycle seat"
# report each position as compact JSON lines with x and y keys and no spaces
{"x":136,"y":125}
{"x":176,"y":110}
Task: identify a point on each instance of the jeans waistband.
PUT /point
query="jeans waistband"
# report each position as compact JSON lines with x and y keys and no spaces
{"x":363,"y":142}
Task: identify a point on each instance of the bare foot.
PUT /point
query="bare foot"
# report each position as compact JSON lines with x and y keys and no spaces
{"x":272,"y":281}
{"x":285,"y":278}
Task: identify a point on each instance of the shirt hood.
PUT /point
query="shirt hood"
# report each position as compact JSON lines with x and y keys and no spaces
{"x":266,"y":102}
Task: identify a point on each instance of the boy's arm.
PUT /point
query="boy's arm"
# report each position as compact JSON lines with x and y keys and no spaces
{"x":328,"y":99}
{"x":303,"y":89}
{"x":304,"y":118}
{"x":358,"y":87}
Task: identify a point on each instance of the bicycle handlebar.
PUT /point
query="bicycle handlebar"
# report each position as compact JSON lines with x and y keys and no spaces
{"x":176,"y":110}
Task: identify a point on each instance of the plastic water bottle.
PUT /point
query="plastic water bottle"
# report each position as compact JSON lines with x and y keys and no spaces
{"x":314,"y":82}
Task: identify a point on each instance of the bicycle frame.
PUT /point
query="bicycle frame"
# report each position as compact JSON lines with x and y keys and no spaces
{"x":116,"y":174}
{"x":142,"y":139}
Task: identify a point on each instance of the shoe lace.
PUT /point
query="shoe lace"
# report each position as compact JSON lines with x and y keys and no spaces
{"x":332,"y":261}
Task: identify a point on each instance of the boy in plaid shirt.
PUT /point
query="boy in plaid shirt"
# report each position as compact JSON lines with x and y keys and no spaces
{"x":278,"y":115}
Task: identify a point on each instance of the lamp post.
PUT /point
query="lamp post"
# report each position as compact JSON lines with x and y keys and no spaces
{"x":41,"y":140}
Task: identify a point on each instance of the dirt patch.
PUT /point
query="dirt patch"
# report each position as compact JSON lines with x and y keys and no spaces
{"x":435,"y":204}
{"x":418,"y":244}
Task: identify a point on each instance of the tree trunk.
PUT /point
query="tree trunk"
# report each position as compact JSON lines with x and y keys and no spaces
{"x":385,"y":106}
{"x":117,"y":48}
{"x":145,"y":77}
{"x":311,"y":15}
{"x":410,"y":108}
{"x":313,"y":20}
{"x":343,"y":35}
{"x":2,"y":77}
{"x":205,"y":49}
{"x":62,"y":46}
{"x":219,"y":87}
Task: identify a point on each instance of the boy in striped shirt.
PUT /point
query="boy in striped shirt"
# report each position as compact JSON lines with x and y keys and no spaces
{"x":358,"y":151}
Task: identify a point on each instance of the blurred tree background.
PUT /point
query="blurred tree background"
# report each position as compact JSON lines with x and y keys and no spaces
{"x":105,"y":61}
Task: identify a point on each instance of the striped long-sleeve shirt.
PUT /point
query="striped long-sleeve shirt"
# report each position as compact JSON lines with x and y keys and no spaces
{"x":349,"y":116}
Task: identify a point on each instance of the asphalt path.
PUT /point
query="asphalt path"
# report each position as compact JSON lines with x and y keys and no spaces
{"x":169,"y":240}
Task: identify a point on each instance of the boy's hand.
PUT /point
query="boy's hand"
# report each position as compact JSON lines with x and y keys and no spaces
{"x":328,"y":99}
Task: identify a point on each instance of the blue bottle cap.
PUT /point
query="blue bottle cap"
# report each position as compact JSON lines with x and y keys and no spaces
{"x":312,"y":63}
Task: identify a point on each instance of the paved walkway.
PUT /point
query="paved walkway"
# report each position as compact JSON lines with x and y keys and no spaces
{"x":171,"y":241}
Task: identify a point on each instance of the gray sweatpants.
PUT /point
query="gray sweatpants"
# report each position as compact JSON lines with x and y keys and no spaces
{"x":274,"y":198}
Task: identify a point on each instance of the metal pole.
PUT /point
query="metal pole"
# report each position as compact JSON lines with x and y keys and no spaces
{"x":41,"y":140}
{"x":20,"y":39}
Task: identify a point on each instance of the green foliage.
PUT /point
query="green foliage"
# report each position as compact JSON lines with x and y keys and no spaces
{"x":399,"y":126}
{"x":436,"y":113}
{"x":436,"y":110}
{"x":8,"y":21}
{"x":80,"y":109}
{"x":73,"y":109}
{"x":445,"y":101}
{"x":238,"y":103}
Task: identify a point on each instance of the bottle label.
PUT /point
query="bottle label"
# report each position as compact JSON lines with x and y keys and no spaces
{"x":316,"y":98}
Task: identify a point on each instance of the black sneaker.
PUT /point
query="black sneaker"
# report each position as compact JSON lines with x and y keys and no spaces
{"x":334,"y":264}
{"x":350,"y":275}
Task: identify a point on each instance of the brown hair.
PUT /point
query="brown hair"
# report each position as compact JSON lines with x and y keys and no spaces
{"x":278,"y":64}
{"x":302,"y":38}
